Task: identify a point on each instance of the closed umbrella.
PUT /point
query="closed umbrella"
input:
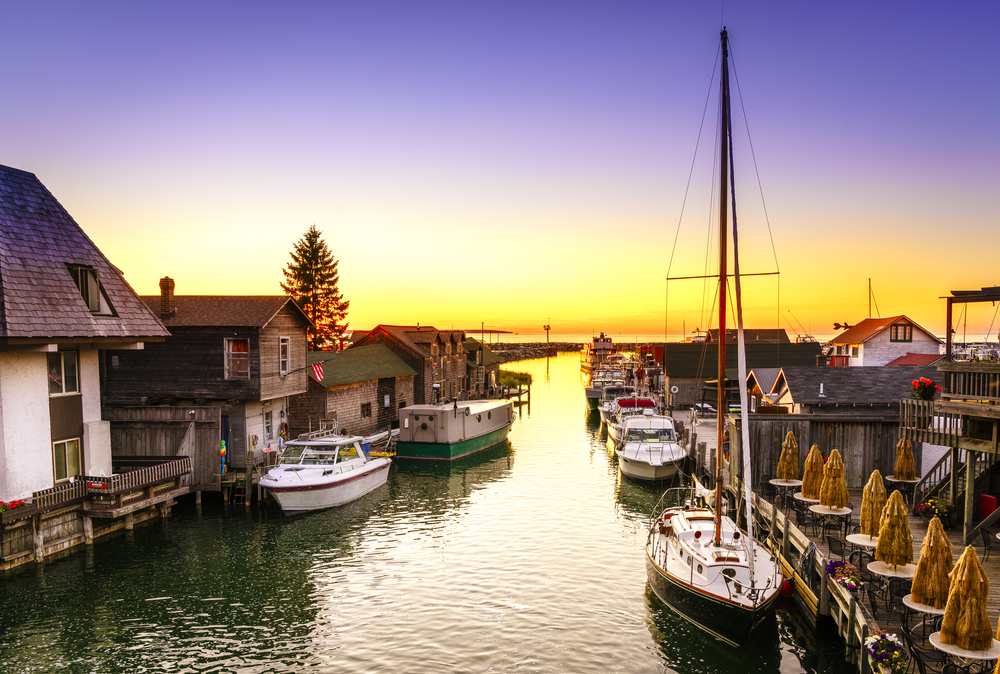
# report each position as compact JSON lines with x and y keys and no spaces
{"x":931,"y":582}
{"x":812,"y":476}
{"x":904,"y":468}
{"x":872,"y":502}
{"x":895,"y":542}
{"x":965,"y":622}
{"x":788,"y":463}
{"x":833,"y":490}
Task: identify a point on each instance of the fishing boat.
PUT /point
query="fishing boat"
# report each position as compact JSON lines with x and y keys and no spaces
{"x":602,"y":378}
{"x":596,"y":352}
{"x":698,"y":560}
{"x":447,"y":431}
{"x":648,"y":448}
{"x":323,"y":469}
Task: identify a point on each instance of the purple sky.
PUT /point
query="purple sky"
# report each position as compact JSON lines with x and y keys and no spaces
{"x":526,"y":141}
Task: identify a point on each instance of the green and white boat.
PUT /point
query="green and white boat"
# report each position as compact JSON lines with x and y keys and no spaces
{"x":447,"y":431}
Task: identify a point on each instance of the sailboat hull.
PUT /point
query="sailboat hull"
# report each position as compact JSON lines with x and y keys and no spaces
{"x":722,"y":619}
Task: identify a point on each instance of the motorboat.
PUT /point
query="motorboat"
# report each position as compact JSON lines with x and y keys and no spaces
{"x":611,"y":393}
{"x":625,"y":407}
{"x":648,"y":448}
{"x":595,"y":353}
{"x":324,"y":469}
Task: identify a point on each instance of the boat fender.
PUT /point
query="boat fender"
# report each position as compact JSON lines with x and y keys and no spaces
{"x":467,"y":412}
{"x":786,"y":588}
{"x":697,"y":534}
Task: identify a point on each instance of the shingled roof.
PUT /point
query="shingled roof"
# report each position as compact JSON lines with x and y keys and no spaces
{"x":417,"y":338}
{"x":39,"y":243}
{"x":849,"y":385}
{"x":359,"y":364}
{"x":212,"y":311}
{"x":473,"y":345}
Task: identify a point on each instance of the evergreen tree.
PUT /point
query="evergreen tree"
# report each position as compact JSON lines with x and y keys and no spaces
{"x":311,"y":279}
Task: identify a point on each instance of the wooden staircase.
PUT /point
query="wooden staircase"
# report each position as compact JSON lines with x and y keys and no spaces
{"x":937,"y":484}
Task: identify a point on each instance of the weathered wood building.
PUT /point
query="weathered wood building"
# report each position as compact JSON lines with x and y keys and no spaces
{"x":241,"y":355}
{"x":483,"y":369}
{"x":437,"y":356}
{"x":360,"y":393}
{"x":879,"y":341}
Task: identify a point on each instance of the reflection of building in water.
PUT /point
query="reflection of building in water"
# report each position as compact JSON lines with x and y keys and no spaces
{"x":437,"y":486}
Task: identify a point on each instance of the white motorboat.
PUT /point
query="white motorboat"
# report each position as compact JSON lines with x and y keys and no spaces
{"x":611,"y":393}
{"x":322,"y":469}
{"x":625,"y":407}
{"x":648,"y":448}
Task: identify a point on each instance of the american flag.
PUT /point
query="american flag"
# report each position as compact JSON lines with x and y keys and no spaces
{"x":318,"y":372}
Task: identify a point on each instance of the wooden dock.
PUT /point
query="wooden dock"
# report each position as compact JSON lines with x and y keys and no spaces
{"x":820,"y":597}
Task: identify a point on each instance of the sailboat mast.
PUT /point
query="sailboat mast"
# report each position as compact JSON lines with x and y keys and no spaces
{"x":723,"y":264}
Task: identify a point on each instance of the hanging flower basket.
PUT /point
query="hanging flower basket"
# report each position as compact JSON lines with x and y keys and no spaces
{"x":844,"y":574}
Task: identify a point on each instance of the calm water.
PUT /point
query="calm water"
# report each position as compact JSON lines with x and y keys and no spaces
{"x":524,"y":559}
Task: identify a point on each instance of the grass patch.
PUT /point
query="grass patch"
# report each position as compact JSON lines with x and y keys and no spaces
{"x":511,"y":378}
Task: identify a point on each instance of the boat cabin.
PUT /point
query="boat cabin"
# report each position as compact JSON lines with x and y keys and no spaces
{"x":332,"y":452}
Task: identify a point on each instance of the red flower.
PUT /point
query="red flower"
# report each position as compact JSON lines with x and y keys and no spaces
{"x":937,"y":388}
{"x":915,"y":383}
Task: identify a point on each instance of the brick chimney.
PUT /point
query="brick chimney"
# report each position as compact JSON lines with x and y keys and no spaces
{"x":166,"y":296}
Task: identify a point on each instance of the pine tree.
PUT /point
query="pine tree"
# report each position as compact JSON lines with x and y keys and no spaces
{"x":311,"y":279}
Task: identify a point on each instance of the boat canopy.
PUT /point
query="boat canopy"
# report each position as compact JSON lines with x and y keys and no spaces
{"x":636,"y":402}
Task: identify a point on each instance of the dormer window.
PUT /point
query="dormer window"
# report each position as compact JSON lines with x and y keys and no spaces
{"x":901,"y":332}
{"x":85,"y":278}
{"x":434,"y":350}
{"x":448,"y":348}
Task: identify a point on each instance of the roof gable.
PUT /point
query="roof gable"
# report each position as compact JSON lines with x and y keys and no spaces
{"x":39,"y":241}
{"x":871,"y":327}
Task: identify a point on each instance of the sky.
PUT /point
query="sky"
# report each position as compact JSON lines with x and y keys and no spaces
{"x":521,"y":163}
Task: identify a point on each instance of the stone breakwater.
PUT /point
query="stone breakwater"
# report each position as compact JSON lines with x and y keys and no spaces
{"x":510,"y":352}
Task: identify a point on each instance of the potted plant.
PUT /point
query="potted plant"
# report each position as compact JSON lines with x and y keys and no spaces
{"x":924,"y":389}
{"x":935,"y":507}
{"x":885,"y":653}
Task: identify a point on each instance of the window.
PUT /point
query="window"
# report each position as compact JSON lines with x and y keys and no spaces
{"x":434,"y":350}
{"x":86,"y":280}
{"x":66,"y":458}
{"x":366,"y":410}
{"x":284,"y":355}
{"x":63,"y":373}
{"x":854,"y":352}
{"x":237,"y":359}
{"x":268,"y":425}
{"x":402,"y":404}
{"x":902,"y":332}
{"x":448,"y":348}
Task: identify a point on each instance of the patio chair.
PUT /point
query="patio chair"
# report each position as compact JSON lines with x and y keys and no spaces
{"x":836,"y":546}
{"x":925,"y":659}
{"x":987,"y":537}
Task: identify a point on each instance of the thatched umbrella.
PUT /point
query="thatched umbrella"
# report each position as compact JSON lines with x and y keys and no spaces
{"x":895,"y":543}
{"x":965,"y":622}
{"x":931,"y":582}
{"x":833,"y":490}
{"x":788,"y":464}
{"x":812,"y":476}
{"x":872,"y":502}
{"x":904,"y":468}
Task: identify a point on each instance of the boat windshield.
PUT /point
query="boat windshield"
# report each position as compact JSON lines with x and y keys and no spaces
{"x":313,"y":455}
{"x":650,"y":435}
{"x":346,"y":452}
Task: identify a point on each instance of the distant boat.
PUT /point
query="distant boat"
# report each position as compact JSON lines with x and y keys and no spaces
{"x":596,"y":352}
{"x":698,"y":561}
{"x":447,"y":431}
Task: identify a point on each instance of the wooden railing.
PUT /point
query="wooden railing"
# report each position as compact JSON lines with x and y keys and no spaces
{"x":805,"y":566}
{"x":59,"y":495}
{"x":971,"y":381}
{"x":920,"y":420}
{"x":140,"y":478}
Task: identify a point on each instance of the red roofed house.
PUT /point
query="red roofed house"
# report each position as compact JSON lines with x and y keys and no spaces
{"x":437,"y":356}
{"x":879,"y":341}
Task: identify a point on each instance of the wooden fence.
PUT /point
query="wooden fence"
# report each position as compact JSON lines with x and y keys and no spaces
{"x":865,"y":443}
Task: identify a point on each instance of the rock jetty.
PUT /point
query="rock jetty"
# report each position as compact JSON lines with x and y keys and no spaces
{"x":510,"y":351}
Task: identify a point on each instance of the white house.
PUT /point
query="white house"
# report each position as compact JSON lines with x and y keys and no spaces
{"x":60,"y":302}
{"x":879,"y":341}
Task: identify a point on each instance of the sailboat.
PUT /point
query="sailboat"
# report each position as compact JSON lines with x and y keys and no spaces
{"x":698,"y":560}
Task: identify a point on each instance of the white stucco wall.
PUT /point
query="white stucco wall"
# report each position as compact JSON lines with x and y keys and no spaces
{"x":96,"y":433}
{"x":25,"y":438}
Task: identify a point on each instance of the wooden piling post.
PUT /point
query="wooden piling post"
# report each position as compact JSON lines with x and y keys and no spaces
{"x":38,"y":538}
{"x":88,"y":530}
